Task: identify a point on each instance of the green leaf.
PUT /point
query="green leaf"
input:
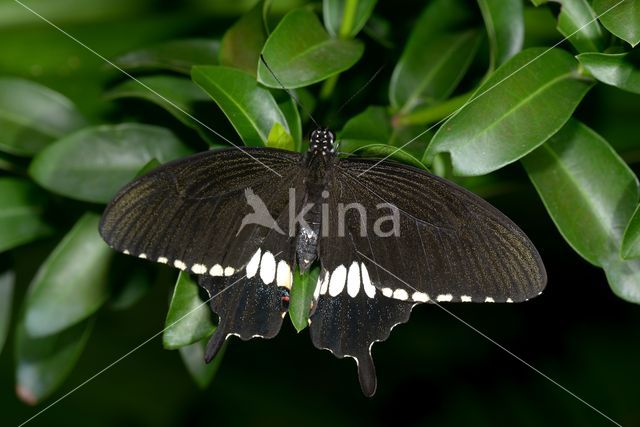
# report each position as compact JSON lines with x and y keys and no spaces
{"x":623,"y":20}
{"x":631,"y":239}
{"x":21,"y":208}
{"x":531,"y":96}
{"x":243,"y":41}
{"x":578,"y":18}
{"x":345,"y":18}
{"x":380,"y":151}
{"x":251,"y":109}
{"x":371,"y":126}
{"x":94,"y":163}
{"x":294,"y":121}
{"x":71,"y":284}
{"x":302,"y":296}
{"x":43,"y":363}
{"x":69,"y":11}
{"x":280,"y":138}
{"x":504,"y":21}
{"x":177,"y":95}
{"x":134,"y":288}
{"x":300,"y":52}
{"x":193,"y":357}
{"x":621,"y":70}
{"x":32,"y":116}
{"x":436,"y":56}
{"x":175,"y":55}
{"x":189,"y":318}
{"x":578,"y":175}
{"x":7,"y":281}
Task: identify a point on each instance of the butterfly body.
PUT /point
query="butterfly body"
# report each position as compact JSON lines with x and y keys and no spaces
{"x":386,"y":236}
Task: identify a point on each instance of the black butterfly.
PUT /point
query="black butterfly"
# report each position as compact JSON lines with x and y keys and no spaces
{"x":439,"y":242}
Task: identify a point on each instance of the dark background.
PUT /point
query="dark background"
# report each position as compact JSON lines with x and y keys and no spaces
{"x":433,"y":371}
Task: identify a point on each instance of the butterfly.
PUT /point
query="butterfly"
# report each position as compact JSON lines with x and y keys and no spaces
{"x":386,"y":236}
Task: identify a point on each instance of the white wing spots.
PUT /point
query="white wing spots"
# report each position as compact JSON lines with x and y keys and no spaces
{"x":229,"y":271}
{"x":142,"y":256}
{"x":353,"y":280}
{"x":284,"y":277}
{"x":444,"y":298}
{"x":420,"y":297}
{"x":509,"y":300}
{"x":325,"y":284}
{"x":268,"y":268}
{"x":179,"y":264}
{"x":254,"y":263}
{"x":126,"y":252}
{"x":387,"y":292}
{"x":199,"y":268}
{"x":465,"y":298}
{"x":319,"y":283}
{"x":163,"y":260}
{"x":216,"y":271}
{"x":338,"y":278}
{"x":400,"y":294}
{"x":369,"y":289}
{"x":489,"y":299}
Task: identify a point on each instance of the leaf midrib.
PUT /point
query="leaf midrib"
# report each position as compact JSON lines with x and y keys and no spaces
{"x":517,"y":106}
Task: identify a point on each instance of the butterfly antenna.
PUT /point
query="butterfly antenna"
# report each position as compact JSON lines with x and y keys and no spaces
{"x":297,"y":101}
{"x":364,"y":86}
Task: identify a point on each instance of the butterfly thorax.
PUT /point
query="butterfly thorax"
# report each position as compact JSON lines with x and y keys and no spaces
{"x":319,"y":161}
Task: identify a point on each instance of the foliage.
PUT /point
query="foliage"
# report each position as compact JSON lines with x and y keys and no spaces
{"x":463,"y":98}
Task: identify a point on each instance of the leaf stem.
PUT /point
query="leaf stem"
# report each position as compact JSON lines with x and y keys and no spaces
{"x":431,"y":114}
{"x":348,"y":18}
{"x":328,"y":86}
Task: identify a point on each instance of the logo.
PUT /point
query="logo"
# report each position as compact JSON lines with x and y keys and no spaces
{"x":383,"y":221}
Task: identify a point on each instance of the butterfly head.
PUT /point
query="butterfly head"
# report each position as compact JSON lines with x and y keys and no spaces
{"x":322,"y":141}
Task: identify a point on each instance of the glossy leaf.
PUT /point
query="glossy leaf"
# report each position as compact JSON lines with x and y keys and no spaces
{"x":301,"y":297}
{"x":345,"y":18}
{"x":43,"y":363}
{"x":621,"y":70}
{"x":134,"y":288}
{"x":372,"y":125}
{"x":520,"y":106}
{"x":32,"y":116}
{"x":180,"y":96}
{"x":435,"y":57}
{"x":623,"y":19}
{"x":243,"y":41}
{"x":76,"y":271}
{"x":578,"y":175}
{"x":94,"y":163}
{"x":631,"y":240}
{"x":189,"y":317}
{"x":389,"y":152}
{"x":193,"y":357}
{"x":504,"y":22}
{"x":7,"y":281}
{"x":175,"y":55}
{"x":280,"y":138}
{"x":300,"y":52}
{"x":251,"y":109}
{"x":578,"y":21}
{"x":294,"y":121}
{"x":21,"y":205}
